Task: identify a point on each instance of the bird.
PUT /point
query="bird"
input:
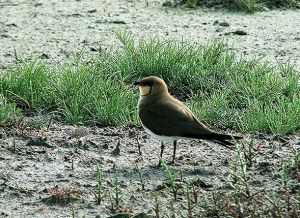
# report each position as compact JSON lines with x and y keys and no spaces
{"x":166,"y":118}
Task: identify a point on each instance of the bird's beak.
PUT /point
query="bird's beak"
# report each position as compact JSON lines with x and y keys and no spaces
{"x":136,"y":83}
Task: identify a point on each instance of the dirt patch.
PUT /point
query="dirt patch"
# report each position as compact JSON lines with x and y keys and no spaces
{"x":50,"y":172}
{"x":54,"y":30}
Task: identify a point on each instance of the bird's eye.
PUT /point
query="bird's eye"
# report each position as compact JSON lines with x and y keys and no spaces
{"x":148,"y":83}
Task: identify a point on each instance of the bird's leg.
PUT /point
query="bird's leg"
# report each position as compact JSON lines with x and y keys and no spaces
{"x":161,"y":153}
{"x":174,"y":151}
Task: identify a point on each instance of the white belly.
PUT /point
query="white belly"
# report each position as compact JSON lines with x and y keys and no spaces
{"x":161,"y":137}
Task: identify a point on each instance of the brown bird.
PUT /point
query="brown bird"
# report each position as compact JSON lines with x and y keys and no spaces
{"x":168,"y":119}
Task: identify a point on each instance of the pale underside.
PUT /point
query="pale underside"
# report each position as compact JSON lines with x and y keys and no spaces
{"x":162,"y":138}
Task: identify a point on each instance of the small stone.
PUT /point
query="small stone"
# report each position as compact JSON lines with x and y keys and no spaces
{"x":219,"y":29}
{"x":12,"y":24}
{"x":118,"y":22}
{"x":76,"y":15}
{"x":224,"y":24}
{"x":167,"y":4}
{"x":5,"y":35}
{"x":93,"y":49}
{"x":101,"y":21}
{"x":105,"y":146}
{"x":202,"y":184}
{"x":216,"y":23}
{"x":44,"y":56}
{"x":131,"y":134}
{"x":38,"y":4}
{"x":92,"y":11}
{"x":116,"y":151}
{"x":240,"y":32}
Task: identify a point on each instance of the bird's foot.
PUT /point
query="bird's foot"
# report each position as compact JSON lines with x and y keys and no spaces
{"x":159,"y":164}
{"x":171,"y":162}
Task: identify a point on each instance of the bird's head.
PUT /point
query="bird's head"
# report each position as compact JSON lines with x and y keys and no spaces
{"x":151,"y":85}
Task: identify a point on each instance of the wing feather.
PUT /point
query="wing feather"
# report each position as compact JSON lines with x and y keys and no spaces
{"x":170,"y":117}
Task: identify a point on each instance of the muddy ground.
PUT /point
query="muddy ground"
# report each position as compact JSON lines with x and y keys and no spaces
{"x":37,"y":162}
{"x":53,"y":30}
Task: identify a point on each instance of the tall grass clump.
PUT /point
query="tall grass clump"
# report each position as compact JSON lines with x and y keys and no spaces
{"x":8,"y":112}
{"x":28,"y":85}
{"x":87,"y":93}
{"x":80,"y":92}
{"x":249,"y":6}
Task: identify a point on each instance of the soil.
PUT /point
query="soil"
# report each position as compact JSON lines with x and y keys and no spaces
{"x":54,"y":30}
{"x":37,"y":161}
{"x":50,"y":172}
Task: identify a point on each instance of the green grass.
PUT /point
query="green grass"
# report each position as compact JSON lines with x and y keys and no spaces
{"x":8,"y":112}
{"x":249,"y":6}
{"x":223,"y":90}
{"x":80,"y":92}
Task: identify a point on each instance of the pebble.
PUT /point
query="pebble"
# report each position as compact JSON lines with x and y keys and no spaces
{"x":92,"y":11}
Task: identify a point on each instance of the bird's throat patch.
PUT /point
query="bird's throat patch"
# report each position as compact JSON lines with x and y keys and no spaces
{"x":145,"y":90}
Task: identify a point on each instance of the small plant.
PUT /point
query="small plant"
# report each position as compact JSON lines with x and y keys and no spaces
{"x":8,"y":112}
{"x":296,"y":162}
{"x":195,"y":192}
{"x":157,"y":205}
{"x":101,"y":192}
{"x":171,"y":177}
{"x":138,"y":145}
{"x":115,"y":194}
{"x":238,"y":180}
{"x":14,"y":144}
{"x":249,"y":5}
{"x":286,"y":203}
{"x":73,"y":212}
{"x":238,"y":177}
{"x":141,"y":176}
{"x":188,"y":194}
{"x":249,"y":153}
{"x":286,"y":171}
{"x":190,"y":4}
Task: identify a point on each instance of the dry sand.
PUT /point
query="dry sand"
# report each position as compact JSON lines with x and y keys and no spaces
{"x":54,"y":29}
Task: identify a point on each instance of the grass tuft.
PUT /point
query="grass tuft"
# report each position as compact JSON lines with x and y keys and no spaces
{"x":8,"y":112}
{"x":249,"y":6}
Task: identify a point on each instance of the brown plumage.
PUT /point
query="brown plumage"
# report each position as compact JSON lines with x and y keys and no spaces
{"x":168,"y":119}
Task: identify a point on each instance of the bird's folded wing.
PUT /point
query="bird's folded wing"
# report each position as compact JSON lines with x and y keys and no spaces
{"x":171,"y":118}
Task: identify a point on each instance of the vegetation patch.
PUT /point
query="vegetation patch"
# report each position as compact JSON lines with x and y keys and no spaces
{"x":222,"y":89}
{"x":245,"y":5}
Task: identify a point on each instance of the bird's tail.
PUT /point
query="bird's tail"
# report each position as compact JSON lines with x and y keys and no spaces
{"x":222,"y":139}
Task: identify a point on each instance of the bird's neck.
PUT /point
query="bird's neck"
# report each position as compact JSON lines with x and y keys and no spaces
{"x":149,"y":99}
